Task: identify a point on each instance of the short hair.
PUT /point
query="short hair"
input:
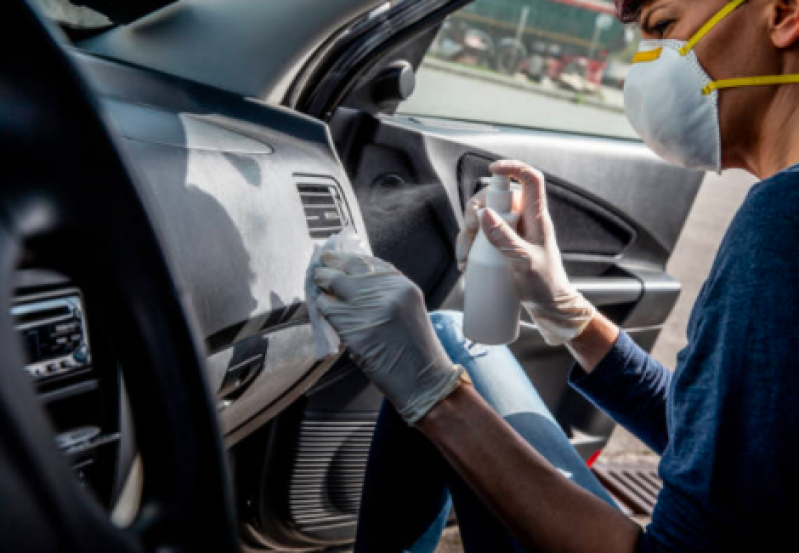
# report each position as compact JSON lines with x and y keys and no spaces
{"x":628,"y":11}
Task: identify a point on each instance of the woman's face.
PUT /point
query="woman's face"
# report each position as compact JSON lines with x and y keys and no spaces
{"x":738,"y":46}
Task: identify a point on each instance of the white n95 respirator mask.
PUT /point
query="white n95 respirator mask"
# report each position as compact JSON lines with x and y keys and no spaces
{"x":672,"y":102}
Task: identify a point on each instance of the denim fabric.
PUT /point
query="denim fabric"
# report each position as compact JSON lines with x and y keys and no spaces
{"x":727,"y":421}
{"x":409,"y":486}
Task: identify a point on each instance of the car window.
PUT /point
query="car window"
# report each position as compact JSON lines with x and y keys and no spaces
{"x":551,"y":64}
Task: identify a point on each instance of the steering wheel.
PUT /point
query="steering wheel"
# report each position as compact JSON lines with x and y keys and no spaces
{"x":69,"y":202}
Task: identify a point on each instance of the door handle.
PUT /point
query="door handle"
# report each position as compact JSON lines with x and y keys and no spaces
{"x":603,"y":291}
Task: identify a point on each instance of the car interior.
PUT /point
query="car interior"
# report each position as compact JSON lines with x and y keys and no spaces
{"x":167,"y":175}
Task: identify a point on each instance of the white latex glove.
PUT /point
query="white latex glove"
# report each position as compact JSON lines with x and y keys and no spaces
{"x":558,"y":309}
{"x":381,"y":317}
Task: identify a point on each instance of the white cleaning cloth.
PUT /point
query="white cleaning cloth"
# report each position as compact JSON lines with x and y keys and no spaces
{"x":326,"y":341}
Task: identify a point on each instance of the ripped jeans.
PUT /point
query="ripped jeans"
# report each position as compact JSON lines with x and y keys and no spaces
{"x":410,"y":488}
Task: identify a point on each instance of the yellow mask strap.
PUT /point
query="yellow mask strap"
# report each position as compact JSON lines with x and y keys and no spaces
{"x":750,"y":81}
{"x":700,"y":34}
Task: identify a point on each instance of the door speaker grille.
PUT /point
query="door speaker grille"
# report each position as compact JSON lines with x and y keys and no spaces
{"x":327,"y":476}
{"x":326,"y":210}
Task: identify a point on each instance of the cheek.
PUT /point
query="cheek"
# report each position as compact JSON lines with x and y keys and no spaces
{"x":736,"y":53}
{"x":733,"y":50}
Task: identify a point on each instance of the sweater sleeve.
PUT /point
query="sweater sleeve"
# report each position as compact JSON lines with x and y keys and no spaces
{"x":632,"y":388}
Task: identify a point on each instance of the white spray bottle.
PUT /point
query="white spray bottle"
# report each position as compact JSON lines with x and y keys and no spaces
{"x":491,"y":305}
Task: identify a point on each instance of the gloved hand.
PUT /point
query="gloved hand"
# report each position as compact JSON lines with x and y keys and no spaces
{"x":558,"y":309}
{"x":381,"y":317}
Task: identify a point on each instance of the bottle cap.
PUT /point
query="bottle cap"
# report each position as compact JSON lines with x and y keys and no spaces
{"x":498,"y":195}
{"x":496,"y":182}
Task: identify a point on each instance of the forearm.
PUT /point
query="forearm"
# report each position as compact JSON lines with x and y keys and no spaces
{"x":594,"y":343}
{"x":543,"y":509}
{"x":629,"y":386}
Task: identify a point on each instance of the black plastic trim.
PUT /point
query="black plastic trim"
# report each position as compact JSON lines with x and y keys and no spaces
{"x":338,"y":74}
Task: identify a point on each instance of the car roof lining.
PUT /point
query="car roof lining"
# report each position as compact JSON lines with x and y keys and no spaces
{"x":252,"y":48}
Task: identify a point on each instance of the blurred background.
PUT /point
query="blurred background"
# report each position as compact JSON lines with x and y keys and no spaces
{"x":545,"y":55}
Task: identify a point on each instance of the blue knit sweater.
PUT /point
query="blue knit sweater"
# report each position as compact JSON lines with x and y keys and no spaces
{"x":726,"y":422}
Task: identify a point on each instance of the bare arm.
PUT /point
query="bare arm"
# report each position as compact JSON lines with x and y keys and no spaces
{"x":542,"y":508}
{"x":594,"y":343}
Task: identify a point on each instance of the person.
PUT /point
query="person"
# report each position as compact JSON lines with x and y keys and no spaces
{"x":710,"y":88}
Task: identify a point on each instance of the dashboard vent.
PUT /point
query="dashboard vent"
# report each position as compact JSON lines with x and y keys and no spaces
{"x":326,"y":210}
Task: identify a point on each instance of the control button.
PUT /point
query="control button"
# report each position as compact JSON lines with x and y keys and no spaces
{"x":52,"y":367}
{"x":81,"y":355}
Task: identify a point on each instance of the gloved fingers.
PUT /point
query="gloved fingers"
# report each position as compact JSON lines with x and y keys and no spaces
{"x":471,"y":219}
{"x":517,"y":203}
{"x":349,"y":263}
{"x":328,"y":305}
{"x":463,"y":245}
{"x":534,"y":188}
{"x":323,"y":277}
{"x":335,"y":282}
{"x":471,"y":225}
{"x":381,"y":266}
{"x":471,"y":215}
{"x":356,"y":264}
{"x":498,"y":232}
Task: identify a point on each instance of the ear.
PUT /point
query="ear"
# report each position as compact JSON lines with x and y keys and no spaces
{"x":784,"y":23}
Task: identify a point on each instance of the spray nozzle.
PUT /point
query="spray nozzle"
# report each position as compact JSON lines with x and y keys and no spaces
{"x":499,"y":195}
{"x":500,"y":183}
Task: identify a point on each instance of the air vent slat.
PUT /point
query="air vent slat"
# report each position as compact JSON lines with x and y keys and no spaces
{"x":327,"y":227}
{"x":326,"y":212}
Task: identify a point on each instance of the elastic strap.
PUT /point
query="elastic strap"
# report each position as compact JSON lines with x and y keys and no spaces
{"x":699,"y":35}
{"x":751,"y":81}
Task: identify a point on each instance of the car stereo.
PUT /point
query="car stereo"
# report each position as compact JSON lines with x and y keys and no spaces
{"x":54,"y":334}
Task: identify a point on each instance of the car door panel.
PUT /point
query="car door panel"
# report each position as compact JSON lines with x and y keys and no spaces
{"x":617,"y":210}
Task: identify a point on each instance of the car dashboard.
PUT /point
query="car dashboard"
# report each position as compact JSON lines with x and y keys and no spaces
{"x":242,"y":192}
{"x":82,"y":401}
